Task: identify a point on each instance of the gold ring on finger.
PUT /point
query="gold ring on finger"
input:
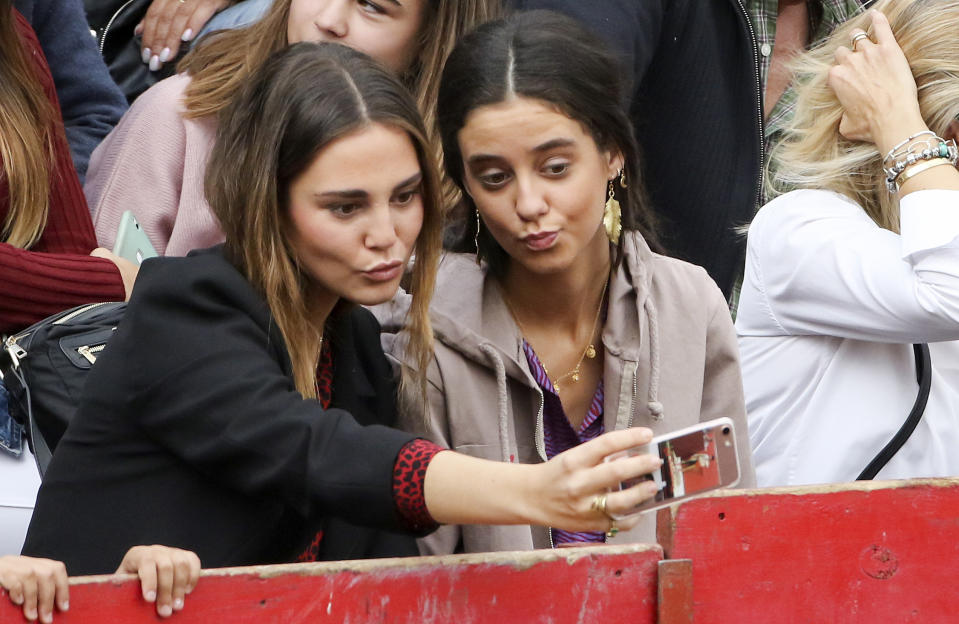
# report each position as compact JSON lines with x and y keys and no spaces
{"x":855,"y":40}
{"x":599,"y":504}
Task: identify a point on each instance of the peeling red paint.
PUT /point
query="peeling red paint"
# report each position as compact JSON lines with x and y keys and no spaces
{"x":883,"y":552}
{"x":607,"y":584}
{"x":878,"y":562}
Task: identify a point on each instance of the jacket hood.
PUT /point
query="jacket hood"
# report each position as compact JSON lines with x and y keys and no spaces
{"x":469,"y":316}
{"x":468,"y":309}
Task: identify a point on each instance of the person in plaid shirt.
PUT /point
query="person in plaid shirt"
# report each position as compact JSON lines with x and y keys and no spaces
{"x":708,"y":94}
{"x":801,"y":23}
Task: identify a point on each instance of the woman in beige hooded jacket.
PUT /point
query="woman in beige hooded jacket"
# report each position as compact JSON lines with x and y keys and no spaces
{"x":536,"y":138}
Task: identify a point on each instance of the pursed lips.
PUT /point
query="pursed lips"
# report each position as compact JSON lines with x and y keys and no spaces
{"x":384,"y":271}
{"x":544,"y":239}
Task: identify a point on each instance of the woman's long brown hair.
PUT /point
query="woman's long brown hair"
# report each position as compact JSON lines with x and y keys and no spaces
{"x":27,"y":121}
{"x":299,"y":101}
{"x":553,"y":59}
{"x":223,"y":63}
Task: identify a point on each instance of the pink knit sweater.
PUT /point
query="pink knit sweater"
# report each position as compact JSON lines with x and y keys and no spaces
{"x":153,"y":164}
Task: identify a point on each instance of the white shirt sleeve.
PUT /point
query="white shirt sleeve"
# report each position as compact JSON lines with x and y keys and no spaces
{"x":818,"y":265}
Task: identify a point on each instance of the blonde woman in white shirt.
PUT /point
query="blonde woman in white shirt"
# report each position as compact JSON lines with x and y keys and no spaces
{"x":844,"y":275}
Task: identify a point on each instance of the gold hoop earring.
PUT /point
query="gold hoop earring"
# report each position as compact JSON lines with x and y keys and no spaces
{"x":622,"y":178}
{"x":612,"y":216}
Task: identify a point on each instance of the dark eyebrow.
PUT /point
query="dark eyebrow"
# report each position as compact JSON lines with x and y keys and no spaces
{"x":477,"y":159}
{"x":553,"y":144}
{"x":396,"y":2}
{"x":543,"y":147}
{"x":345,"y":194}
{"x":357,"y":194}
{"x":416,"y":178}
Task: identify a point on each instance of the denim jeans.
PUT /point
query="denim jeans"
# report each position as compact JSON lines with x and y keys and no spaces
{"x":19,"y":481}
{"x":240,"y":14}
{"x":11,"y":433}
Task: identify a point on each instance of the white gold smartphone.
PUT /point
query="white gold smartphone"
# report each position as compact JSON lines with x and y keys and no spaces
{"x":132,"y":242}
{"x":696,"y":460}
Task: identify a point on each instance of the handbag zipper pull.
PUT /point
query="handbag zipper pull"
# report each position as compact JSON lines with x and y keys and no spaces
{"x":15,"y":351}
{"x":89,"y":352}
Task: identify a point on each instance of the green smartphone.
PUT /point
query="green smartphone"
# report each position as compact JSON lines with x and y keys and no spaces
{"x":132,"y":242}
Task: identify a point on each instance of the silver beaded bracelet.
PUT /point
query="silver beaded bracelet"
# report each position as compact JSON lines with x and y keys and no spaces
{"x":898,"y":159}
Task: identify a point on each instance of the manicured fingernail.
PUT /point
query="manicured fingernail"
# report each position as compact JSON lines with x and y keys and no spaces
{"x":139,"y":29}
{"x":165,"y":611}
{"x":47,"y":617}
{"x":145,"y":55}
{"x":165,"y":55}
{"x":150,"y":596}
{"x":178,"y":604}
{"x":65,"y":605}
{"x":187,"y":35}
{"x":155,"y":63}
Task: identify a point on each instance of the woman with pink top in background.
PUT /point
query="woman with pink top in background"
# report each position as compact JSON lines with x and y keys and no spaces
{"x":154,"y":160}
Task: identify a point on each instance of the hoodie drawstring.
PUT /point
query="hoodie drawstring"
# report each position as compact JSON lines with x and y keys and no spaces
{"x":655,"y":407}
{"x":502,"y":398}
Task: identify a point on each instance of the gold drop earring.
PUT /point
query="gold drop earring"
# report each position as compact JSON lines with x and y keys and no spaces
{"x":612,"y":215}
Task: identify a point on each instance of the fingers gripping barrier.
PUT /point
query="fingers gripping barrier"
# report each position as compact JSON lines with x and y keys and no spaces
{"x":604,"y":584}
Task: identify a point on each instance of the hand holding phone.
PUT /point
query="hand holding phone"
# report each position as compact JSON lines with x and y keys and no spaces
{"x":696,"y":460}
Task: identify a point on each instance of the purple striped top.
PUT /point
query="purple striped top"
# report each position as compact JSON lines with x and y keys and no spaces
{"x":560,"y":436}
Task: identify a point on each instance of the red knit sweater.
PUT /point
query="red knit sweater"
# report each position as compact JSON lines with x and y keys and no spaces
{"x":57,"y":272}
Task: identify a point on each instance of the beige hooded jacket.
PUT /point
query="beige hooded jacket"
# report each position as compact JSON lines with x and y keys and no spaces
{"x":671,"y":361}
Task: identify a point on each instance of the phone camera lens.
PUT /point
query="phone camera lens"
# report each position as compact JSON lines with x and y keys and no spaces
{"x":725,"y":430}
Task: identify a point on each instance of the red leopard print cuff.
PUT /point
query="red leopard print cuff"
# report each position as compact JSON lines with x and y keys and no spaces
{"x":409,"y":474}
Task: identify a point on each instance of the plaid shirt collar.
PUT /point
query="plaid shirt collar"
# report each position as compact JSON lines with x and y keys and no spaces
{"x":824,"y":15}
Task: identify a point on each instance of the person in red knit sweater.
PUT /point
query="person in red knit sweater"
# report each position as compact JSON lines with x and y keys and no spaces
{"x":49,"y":260}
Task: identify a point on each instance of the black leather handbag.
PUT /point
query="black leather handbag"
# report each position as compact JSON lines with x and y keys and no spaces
{"x":45,"y":367}
{"x":113,"y":22}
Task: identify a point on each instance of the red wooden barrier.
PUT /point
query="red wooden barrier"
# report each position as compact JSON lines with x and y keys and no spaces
{"x":602,"y":584}
{"x":872,"y":551}
{"x":885,"y":552}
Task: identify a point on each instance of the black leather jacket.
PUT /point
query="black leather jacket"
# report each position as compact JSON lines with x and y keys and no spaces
{"x":112,"y":22}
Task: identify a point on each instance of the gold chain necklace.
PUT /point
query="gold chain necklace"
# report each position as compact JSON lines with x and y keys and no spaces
{"x":588,"y":353}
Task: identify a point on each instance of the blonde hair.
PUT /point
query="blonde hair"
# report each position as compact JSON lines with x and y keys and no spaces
{"x":221,"y":65}
{"x":813,"y":154}
{"x":302,"y":99}
{"x":27,"y":127}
